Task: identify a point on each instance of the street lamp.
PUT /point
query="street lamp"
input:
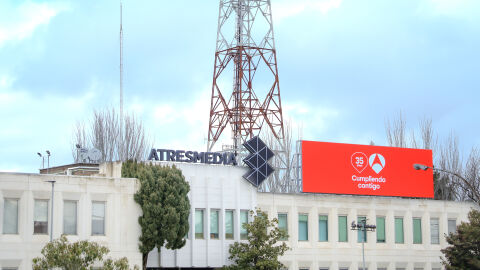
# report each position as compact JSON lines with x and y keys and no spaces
{"x":417,"y":166}
{"x":364,"y":227}
{"x":43,"y":160}
{"x":48,"y":160}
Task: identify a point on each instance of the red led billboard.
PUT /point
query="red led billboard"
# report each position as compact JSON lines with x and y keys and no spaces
{"x":365,"y":170}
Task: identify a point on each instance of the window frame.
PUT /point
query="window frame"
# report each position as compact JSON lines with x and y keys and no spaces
{"x":48,"y":215}
{"x":228,"y":237}
{"x":448,"y":225}
{"x":379,"y":231}
{"x":397,"y":241}
{"x":437,"y":236}
{"x":416,"y":241}
{"x":76,"y":216}
{"x":326,"y":227}
{"x":243,"y":231}
{"x":17,"y":201}
{"x":286,"y":224}
{"x":199,"y":235}
{"x":346,"y":229}
{"x":303,"y":215}
{"x":217,"y":235}
{"x":104,"y":233}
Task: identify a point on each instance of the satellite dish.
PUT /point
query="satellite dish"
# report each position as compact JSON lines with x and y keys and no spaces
{"x":89,"y":155}
{"x":94,"y":155}
{"x":83,"y":154}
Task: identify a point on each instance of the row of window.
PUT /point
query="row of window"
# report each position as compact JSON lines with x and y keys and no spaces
{"x":215,"y":221}
{"x":41,"y":212}
{"x":362,"y":235}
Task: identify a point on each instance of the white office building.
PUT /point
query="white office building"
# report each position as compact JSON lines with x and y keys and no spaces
{"x":410,"y":232}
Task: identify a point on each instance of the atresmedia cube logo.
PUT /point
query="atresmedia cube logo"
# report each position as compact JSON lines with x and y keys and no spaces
{"x":257,"y":161}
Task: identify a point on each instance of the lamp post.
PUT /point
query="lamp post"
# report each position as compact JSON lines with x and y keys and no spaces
{"x":364,"y":227}
{"x":48,"y":160}
{"x":417,"y":166}
{"x":43,"y":159}
{"x":53,"y":187}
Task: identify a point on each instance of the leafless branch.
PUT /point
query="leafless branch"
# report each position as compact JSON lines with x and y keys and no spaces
{"x":281,"y":180}
{"x":114,"y":140}
{"x":450,"y":160}
{"x":396,"y":131}
{"x":472,"y":176}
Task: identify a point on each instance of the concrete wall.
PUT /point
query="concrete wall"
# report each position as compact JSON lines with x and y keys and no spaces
{"x":211,"y":187}
{"x":121,"y":227}
{"x":333,"y":255}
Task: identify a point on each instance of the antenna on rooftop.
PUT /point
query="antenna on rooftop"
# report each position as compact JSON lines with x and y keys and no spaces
{"x":121,"y":83}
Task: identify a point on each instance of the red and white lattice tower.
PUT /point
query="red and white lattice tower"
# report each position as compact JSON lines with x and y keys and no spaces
{"x":245,"y":51}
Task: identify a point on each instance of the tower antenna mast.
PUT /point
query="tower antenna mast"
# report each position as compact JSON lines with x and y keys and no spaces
{"x":246,"y":50}
{"x":251,"y":105}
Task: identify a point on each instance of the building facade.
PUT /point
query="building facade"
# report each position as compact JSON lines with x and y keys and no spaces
{"x":409,"y":235}
{"x":99,"y":209}
{"x":410,"y":232}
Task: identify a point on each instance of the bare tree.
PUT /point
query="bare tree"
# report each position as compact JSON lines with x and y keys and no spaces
{"x":396,"y":131}
{"x":413,"y":139}
{"x":104,"y":132}
{"x":471,"y":185}
{"x":427,"y":133}
{"x":132,"y":143}
{"x":446,"y":185}
{"x":79,"y":139}
{"x":281,"y":180}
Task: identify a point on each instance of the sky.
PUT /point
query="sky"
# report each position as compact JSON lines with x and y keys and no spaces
{"x":345,"y":67}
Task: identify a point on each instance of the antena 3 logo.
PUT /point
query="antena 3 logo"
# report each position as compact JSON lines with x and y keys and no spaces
{"x":359,"y":162}
{"x":377,"y":162}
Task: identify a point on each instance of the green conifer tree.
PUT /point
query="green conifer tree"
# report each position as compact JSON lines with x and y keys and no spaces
{"x":163,"y":197}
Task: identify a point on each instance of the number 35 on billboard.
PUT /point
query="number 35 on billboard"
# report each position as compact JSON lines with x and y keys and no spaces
{"x":365,"y":170}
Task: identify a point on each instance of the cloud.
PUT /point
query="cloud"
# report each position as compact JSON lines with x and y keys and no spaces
{"x":176,"y":123}
{"x":308,"y":121}
{"x":288,"y":8}
{"x":467,"y":9}
{"x":32,"y":122}
{"x":19,"y":23}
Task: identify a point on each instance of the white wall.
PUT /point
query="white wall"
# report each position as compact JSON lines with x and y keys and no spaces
{"x":313,"y":254}
{"x":211,"y":187}
{"x":121,"y":227}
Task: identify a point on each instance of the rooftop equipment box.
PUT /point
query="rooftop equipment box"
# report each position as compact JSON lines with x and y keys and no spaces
{"x":365,"y":170}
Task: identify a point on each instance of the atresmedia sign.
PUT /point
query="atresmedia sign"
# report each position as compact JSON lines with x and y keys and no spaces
{"x":365,"y":170}
{"x":192,"y":156}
